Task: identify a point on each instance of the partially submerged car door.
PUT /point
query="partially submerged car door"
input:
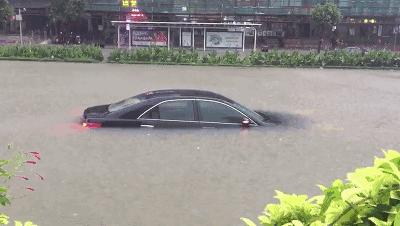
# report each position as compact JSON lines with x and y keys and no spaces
{"x":215,"y":114}
{"x":179,"y":113}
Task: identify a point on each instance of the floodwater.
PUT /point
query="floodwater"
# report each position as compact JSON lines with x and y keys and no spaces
{"x":327,"y":123}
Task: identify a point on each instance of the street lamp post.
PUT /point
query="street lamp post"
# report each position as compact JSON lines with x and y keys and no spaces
{"x":395,"y":41}
{"x":20,"y":25}
{"x":19,"y":18}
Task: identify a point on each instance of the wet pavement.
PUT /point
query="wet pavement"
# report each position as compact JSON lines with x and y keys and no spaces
{"x":328,"y":122}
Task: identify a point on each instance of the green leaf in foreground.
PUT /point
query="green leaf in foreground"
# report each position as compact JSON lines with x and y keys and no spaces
{"x":370,"y":196}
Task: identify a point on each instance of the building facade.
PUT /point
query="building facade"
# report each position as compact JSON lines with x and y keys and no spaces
{"x":285,"y":22}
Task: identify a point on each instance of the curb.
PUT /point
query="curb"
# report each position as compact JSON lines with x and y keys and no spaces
{"x":50,"y":60}
{"x":257,"y":66}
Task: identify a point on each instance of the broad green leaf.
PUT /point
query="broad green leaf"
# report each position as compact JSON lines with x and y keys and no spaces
{"x":338,"y":184}
{"x":264,"y":220}
{"x":288,"y":224}
{"x":351,"y":195}
{"x":29,"y":223}
{"x":317,"y":199}
{"x":4,"y":200}
{"x":397,"y":219}
{"x":380,"y":192}
{"x":297,"y":223}
{"x":3,"y":189}
{"x":248,"y":222}
{"x":362,"y":178}
{"x":329,"y":196}
{"x":3,"y":162}
{"x":3,"y":219}
{"x":18,"y":223}
{"x":392,"y":154}
{"x":318,"y":223}
{"x":334,"y":211}
{"x":379,"y":222}
{"x":322,"y":187}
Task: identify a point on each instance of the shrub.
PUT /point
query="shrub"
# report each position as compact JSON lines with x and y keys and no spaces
{"x":9,"y":168}
{"x":84,"y":52}
{"x":371,"y":196}
{"x":273,"y":58}
{"x":231,"y":58}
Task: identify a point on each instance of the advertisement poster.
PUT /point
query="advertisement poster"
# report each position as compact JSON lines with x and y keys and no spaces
{"x":224,"y":40}
{"x":149,"y":38}
{"x":186,"y":39}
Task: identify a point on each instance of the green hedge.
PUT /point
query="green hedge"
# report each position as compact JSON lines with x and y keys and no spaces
{"x":64,"y":53}
{"x":274,"y":58}
{"x":371,"y":196}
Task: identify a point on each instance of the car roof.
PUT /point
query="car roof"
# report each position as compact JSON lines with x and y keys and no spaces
{"x":184,"y":93}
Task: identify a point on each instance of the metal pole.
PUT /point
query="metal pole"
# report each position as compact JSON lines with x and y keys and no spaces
{"x":180,"y":37}
{"x":169,"y":36}
{"x":20,"y":25}
{"x":193,"y":38}
{"x":395,"y":41}
{"x":119,"y":35}
{"x":130,"y":37}
{"x":152,"y":10}
{"x":255,"y":39}
{"x":204,"y":39}
{"x":244,"y":38}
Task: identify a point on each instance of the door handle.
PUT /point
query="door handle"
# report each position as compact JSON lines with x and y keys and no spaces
{"x":147,"y":126}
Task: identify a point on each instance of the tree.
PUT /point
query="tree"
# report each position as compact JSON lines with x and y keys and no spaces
{"x":5,"y":11}
{"x":66,"y":12}
{"x":325,"y":16}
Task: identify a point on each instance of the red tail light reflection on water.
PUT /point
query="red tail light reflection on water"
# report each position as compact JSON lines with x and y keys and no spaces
{"x":91,"y":125}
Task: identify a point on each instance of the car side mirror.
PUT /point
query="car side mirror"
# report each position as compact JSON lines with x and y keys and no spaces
{"x":245,"y":123}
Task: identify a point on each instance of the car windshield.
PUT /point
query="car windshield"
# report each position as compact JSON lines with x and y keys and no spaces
{"x":124,"y":103}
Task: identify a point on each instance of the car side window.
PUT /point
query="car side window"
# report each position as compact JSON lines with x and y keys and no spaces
{"x":216,"y":112}
{"x":182,"y":110}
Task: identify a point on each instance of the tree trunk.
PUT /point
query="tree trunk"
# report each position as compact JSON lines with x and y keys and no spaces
{"x":321,"y":38}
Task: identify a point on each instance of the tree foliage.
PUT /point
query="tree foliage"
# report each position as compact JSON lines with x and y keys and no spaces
{"x":327,"y":14}
{"x":5,"y":10}
{"x":66,"y":11}
{"x":371,"y":196}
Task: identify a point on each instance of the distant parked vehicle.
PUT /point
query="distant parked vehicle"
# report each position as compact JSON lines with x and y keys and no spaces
{"x":173,"y":109}
{"x":264,"y":48}
{"x":355,"y":49}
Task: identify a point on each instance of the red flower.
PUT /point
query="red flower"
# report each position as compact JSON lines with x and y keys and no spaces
{"x":35,"y":154}
{"x":30,"y":189}
{"x":41,"y":177}
{"x":31,"y":162}
{"x":22,"y":177}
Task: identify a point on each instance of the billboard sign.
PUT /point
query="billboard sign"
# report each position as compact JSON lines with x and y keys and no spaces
{"x":186,"y":39}
{"x":136,"y":15}
{"x":224,"y":39}
{"x":149,"y":38}
{"x":129,"y":3}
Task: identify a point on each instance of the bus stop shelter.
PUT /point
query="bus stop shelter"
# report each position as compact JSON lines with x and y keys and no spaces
{"x":131,"y":25}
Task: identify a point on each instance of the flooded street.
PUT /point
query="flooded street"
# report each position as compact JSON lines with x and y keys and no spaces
{"x":328,"y":122}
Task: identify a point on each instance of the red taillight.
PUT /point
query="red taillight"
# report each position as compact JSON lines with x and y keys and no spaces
{"x":91,"y":125}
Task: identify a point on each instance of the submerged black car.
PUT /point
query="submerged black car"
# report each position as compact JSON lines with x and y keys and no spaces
{"x":173,"y":108}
